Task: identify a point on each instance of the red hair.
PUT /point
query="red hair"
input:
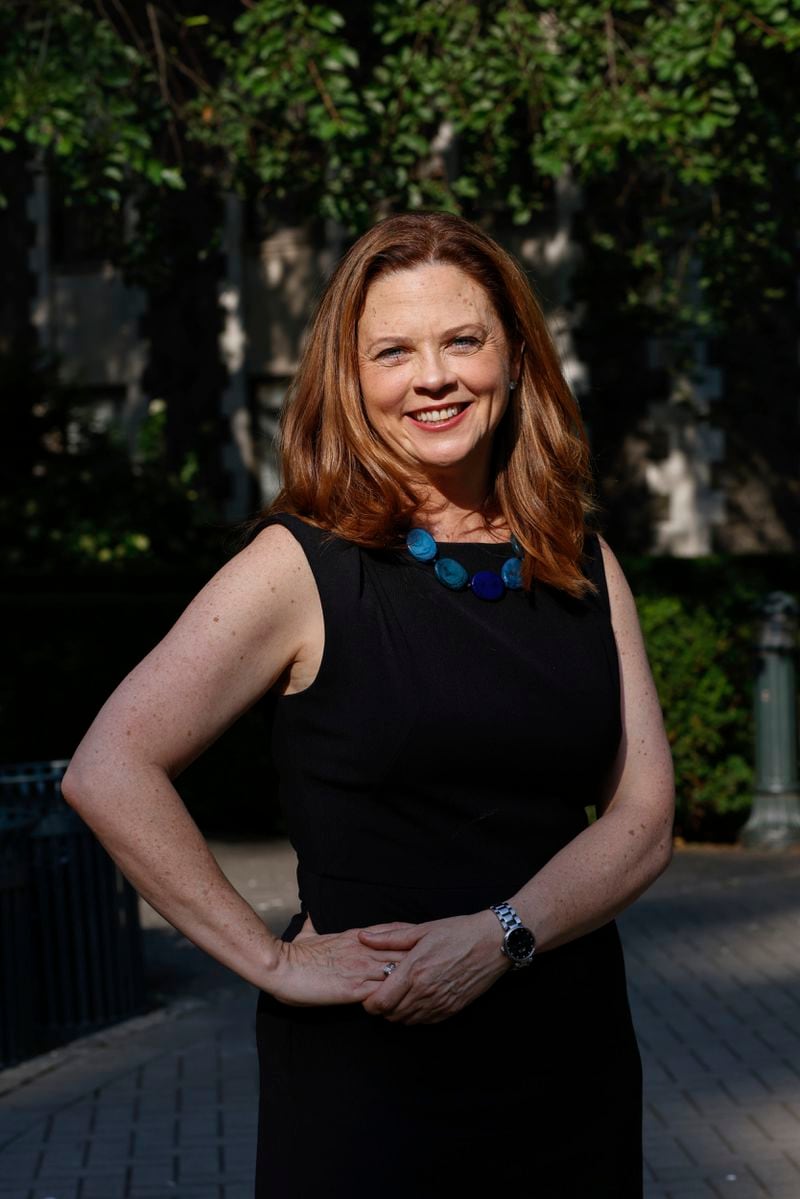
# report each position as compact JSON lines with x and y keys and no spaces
{"x":339,"y":475}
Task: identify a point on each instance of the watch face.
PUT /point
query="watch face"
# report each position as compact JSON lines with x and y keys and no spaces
{"x":520,"y":944}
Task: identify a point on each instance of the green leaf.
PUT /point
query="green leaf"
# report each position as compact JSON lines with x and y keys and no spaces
{"x":173,"y":178}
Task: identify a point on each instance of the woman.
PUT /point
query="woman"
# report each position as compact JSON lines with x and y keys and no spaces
{"x":459,"y":674}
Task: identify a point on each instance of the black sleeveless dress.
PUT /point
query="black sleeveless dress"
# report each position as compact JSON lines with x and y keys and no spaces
{"x":446,"y":750}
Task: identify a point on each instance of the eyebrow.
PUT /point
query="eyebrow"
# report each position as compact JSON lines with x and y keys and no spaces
{"x":399,"y":340}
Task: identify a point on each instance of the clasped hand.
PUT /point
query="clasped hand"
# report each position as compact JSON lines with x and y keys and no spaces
{"x":326,"y":968}
{"x":440,"y":967}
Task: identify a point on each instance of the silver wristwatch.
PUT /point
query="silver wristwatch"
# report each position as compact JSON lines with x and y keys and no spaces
{"x":519,"y":943}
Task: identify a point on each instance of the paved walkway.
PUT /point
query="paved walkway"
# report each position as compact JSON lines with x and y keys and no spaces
{"x":164,"y":1106}
{"x":713,"y":955}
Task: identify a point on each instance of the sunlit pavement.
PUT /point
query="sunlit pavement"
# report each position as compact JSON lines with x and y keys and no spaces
{"x":165,"y":1105}
{"x":713,"y":955}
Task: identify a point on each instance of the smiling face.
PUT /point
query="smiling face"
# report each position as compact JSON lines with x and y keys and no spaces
{"x":434,"y":368}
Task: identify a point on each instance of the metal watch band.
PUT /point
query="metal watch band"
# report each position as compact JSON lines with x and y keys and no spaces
{"x":509,"y":919}
{"x":507,"y":916}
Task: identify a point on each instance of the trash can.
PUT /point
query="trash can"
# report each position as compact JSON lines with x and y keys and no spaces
{"x":17,"y":1028}
{"x":85,"y":948}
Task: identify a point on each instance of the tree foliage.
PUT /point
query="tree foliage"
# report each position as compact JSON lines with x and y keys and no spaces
{"x":71,"y":86}
{"x":79,"y":500}
{"x":352,"y":111}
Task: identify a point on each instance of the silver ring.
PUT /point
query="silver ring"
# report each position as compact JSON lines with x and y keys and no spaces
{"x":389,"y":968}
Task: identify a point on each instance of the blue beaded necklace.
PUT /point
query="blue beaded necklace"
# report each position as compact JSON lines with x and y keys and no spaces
{"x":486,"y":584}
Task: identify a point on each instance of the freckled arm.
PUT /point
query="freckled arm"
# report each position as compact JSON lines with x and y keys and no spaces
{"x":615,"y":859}
{"x":229,"y":646}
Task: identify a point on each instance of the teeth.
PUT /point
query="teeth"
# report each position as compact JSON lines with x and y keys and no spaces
{"x":434,"y":415}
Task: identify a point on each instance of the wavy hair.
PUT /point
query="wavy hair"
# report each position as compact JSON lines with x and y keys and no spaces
{"x":338,"y":474}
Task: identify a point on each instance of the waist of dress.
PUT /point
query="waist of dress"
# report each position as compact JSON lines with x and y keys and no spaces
{"x":579,"y":986}
{"x":337,"y":903}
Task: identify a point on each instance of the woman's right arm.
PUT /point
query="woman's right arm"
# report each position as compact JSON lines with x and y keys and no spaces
{"x":256,"y":622}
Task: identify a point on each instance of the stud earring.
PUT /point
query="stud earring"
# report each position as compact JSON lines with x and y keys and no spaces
{"x":512,"y":384}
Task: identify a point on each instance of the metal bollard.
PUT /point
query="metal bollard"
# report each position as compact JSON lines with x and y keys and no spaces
{"x":775,"y":818}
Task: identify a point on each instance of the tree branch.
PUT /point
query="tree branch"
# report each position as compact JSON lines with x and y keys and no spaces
{"x":161,"y":58}
{"x":202,"y":84}
{"x":764,"y":27}
{"x":325,"y":96}
{"x":129,"y":25}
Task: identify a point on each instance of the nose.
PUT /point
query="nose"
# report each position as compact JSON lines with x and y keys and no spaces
{"x":433,"y":375}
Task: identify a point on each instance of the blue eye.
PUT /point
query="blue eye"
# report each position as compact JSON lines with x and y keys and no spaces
{"x":391,"y":352}
{"x":465,"y":340}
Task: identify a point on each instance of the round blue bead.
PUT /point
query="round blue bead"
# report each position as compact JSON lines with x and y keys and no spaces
{"x":511,"y":573}
{"x":516,"y":547}
{"x":451,"y":573}
{"x":421,"y":545}
{"x":487,"y":585}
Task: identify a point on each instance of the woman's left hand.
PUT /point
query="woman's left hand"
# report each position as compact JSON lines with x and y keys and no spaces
{"x":448,"y":964}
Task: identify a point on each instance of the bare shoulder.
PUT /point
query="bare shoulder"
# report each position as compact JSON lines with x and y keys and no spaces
{"x":643,"y":771}
{"x":274,"y":560}
{"x":624,"y":617}
{"x":625,"y":623}
{"x":266,"y":596}
{"x":276,"y":541}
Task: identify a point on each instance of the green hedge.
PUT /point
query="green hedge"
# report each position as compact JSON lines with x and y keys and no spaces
{"x":700,"y":619}
{"x":70,"y":646}
{"x":702,"y":665}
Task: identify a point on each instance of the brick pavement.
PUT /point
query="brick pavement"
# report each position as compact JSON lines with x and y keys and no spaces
{"x":713,"y":953}
{"x":158,"y":1107}
{"x":164,"y":1106}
